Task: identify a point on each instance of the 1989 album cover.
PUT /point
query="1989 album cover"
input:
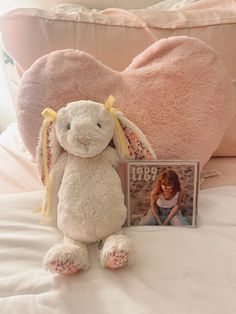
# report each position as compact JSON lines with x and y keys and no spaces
{"x":163,"y":193}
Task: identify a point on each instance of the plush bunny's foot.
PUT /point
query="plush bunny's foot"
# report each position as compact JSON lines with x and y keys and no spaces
{"x":117,"y":252}
{"x":63,"y":268}
{"x":66,"y":258}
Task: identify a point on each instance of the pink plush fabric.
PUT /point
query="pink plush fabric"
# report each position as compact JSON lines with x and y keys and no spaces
{"x":177,"y":91}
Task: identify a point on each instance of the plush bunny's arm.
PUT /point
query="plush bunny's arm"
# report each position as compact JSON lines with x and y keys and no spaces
{"x":113,"y":156}
{"x":56,"y":174}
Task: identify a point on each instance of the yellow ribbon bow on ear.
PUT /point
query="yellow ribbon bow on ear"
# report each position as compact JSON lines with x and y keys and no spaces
{"x":120,"y":135}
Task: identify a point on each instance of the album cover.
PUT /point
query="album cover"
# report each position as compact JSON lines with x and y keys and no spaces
{"x":162,"y":193}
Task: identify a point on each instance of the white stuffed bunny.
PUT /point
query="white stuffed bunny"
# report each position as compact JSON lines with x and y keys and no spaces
{"x":85,"y":189}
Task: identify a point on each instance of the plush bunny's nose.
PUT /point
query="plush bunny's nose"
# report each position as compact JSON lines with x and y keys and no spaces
{"x":83,"y":139}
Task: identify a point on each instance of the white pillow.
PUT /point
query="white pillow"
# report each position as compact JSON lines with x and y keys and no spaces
{"x":86,"y":6}
{"x":123,"y":4}
{"x":171,"y":5}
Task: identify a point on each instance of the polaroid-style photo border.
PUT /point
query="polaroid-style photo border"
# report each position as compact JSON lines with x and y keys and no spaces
{"x":127,"y":165}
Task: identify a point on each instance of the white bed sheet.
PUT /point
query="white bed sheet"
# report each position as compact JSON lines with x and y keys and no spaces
{"x":177,"y":270}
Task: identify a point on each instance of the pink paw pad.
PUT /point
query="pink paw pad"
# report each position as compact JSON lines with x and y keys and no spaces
{"x":64,"y":268}
{"x":117,"y":259}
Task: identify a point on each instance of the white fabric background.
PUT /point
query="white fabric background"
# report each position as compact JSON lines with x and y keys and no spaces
{"x":177,"y":270}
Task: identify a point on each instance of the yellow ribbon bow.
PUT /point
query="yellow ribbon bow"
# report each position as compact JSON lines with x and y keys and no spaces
{"x":120,"y":135}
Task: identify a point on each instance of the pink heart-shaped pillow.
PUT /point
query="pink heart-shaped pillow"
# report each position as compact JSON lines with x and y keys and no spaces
{"x":177,"y":91}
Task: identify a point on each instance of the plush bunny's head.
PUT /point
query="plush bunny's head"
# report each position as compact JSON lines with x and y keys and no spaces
{"x":84,"y":128}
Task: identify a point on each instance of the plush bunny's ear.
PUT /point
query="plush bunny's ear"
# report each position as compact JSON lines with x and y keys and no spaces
{"x":129,"y":140}
{"x":48,"y":149}
{"x":39,"y":152}
{"x":47,"y":153}
{"x":138,"y":145}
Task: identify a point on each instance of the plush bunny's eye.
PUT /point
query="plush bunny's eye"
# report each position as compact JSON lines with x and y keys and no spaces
{"x":68,"y":126}
{"x":99,"y":125}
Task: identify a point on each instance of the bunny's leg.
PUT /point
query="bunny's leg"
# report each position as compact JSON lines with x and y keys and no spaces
{"x":67,"y":258}
{"x":117,"y":251}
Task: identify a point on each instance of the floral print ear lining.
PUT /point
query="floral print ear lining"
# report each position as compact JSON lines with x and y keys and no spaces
{"x":137,"y":149}
{"x":49,"y":154}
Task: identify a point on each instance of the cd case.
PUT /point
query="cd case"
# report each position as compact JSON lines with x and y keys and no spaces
{"x":162,"y":193}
